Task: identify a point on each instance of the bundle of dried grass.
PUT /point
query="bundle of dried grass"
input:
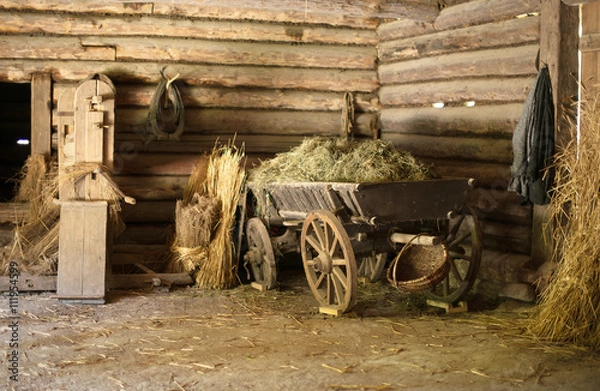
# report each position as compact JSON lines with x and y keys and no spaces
{"x":195,"y":225}
{"x":224,"y":180}
{"x":570,"y":306}
{"x":321,"y":159}
{"x":35,"y":242}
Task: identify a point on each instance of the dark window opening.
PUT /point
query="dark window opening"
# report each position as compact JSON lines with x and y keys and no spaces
{"x":15,"y":133}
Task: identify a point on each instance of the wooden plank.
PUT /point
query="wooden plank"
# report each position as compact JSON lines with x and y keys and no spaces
{"x":146,"y":233}
{"x":489,"y":175}
{"x":483,"y":11}
{"x":152,"y":187}
{"x":201,"y":74}
{"x":517,"y":61}
{"x":479,"y":149}
{"x":130,"y":281}
{"x":148,"y":212}
{"x":41,"y":122}
{"x":505,"y":33}
{"x":498,"y":204}
{"x":403,"y":28}
{"x":149,"y":26}
{"x":490,"y":121}
{"x":457,"y":91}
{"x":30,"y":283}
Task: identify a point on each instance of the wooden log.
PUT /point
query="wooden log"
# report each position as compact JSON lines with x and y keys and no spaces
{"x":516,"y":61}
{"x":132,"y":281}
{"x":15,"y":47}
{"x":457,"y":91}
{"x":483,"y":11}
{"x":403,"y":28}
{"x":13,"y":212}
{"x":489,"y":175}
{"x":506,"y":237}
{"x":141,"y":233}
{"x":251,"y":98}
{"x":148,"y":26}
{"x":209,"y":121}
{"x":30,"y":283}
{"x":205,"y":75}
{"x":41,"y":100}
{"x":506,"y":33}
{"x":152,"y":187}
{"x":353,"y":13}
{"x":148,"y":212}
{"x":497,"y":204}
{"x":479,"y":149}
{"x":128,"y":144}
{"x":159,"y":164}
{"x":491,"y":121}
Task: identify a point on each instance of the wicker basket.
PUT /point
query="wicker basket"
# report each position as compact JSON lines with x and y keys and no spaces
{"x":418,"y":267}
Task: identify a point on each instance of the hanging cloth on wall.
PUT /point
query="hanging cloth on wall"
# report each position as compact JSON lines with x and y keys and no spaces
{"x":166,"y":115}
{"x":533,"y":144}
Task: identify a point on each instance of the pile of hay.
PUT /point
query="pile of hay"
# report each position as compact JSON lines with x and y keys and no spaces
{"x":203,"y":243}
{"x":35,"y":241}
{"x":569,"y":308}
{"x":321,"y":159}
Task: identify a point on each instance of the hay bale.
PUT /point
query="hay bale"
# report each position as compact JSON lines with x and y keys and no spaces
{"x":321,"y":159}
{"x":569,"y":306}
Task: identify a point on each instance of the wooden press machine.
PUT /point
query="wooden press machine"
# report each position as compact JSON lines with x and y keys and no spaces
{"x":85,"y":135}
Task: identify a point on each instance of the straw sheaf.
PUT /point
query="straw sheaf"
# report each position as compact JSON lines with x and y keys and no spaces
{"x":570,"y":306}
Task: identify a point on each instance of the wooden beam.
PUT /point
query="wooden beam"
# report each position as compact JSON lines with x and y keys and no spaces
{"x":558,"y":49}
{"x":577,"y":2}
{"x":41,"y":115}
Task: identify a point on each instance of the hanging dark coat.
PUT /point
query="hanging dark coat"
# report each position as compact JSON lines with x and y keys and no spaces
{"x":533,"y":144}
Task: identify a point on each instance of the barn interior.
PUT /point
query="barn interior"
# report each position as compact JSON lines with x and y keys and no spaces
{"x":445,"y":80}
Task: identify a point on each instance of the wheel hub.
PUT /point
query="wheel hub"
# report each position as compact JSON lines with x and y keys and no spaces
{"x":323,"y":263}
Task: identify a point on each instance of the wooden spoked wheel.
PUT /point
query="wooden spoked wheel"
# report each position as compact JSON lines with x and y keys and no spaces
{"x":463,"y":241}
{"x":260,"y":255}
{"x":372,"y":267}
{"x":328,"y":259}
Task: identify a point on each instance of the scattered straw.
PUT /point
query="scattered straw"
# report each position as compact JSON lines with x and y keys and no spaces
{"x":570,"y":306}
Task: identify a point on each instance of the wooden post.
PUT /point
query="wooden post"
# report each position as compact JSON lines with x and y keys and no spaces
{"x":558,"y":49}
{"x":41,"y":114}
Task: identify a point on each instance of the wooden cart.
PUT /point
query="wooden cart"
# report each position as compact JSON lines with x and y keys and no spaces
{"x":347,"y":230}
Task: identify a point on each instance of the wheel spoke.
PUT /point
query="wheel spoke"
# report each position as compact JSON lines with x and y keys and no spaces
{"x":319,"y":280}
{"x":460,"y":239}
{"x":455,"y":227}
{"x":314,"y":242}
{"x":341,"y":277}
{"x":334,"y":246}
{"x":456,"y":255}
{"x":318,"y":230}
{"x":338,"y":262}
{"x":338,"y":288}
{"x":455,"y":272}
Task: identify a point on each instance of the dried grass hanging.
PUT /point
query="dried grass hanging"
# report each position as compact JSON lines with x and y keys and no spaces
{"x":569,"y":309}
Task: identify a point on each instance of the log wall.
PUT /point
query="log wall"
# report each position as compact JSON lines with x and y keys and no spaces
{"x":480,"y":53}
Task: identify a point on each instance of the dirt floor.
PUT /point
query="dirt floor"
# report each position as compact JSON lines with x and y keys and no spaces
{"x":242,"y":339}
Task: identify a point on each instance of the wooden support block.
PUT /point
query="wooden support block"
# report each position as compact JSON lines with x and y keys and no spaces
{"x":259,"y":287}
{"x":450,"y":308}
{"x":330,"y":311}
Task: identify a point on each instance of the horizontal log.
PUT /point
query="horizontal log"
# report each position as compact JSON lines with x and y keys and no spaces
{"x":506,"y":237}
{"x":157,"y":164}
{"x":484,"y":11}
{"x":502,"y":267}
{"x":577,"y":2}
{"x":245,"y":98}
{"x":506,"y":33}
{"x":478,"y":149}
{"x":20,"y":71}
{"x":483,"y":121}
{"x":514,"y":61}
{"x":148,"y":212}
{"x":133,"y":281}
{"x":457,"y":91}
{"x":187,"y":51}
{"x":16,"y":47}
{"x":29,"y":283}
{"x":218,"y":121}
{"x":127,"y":144}
{"x":148,"y":26}
{"x":145,"y":233}
{"x":13,"y":212}
{"x":152,"y":187}
{"x":403,"y":28}
{"x":488,"y":175}
{"x":355,"y":13}
{"x":498,"y":204}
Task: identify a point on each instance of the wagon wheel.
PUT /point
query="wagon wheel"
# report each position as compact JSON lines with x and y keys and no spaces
{"x":464,"y":249}
{"x":329,"y":261}
{"x":372,"y":267}
{"x":260,"y":255}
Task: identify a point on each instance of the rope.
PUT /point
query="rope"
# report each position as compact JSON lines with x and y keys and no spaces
{"x":166,"y":114}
